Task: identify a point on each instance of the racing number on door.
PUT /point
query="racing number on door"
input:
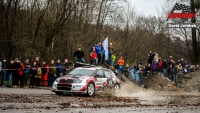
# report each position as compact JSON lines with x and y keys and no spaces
{"x":110,"y":82}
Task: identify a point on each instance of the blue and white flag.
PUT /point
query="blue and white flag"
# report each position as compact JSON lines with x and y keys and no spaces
{"x":105,"y":46}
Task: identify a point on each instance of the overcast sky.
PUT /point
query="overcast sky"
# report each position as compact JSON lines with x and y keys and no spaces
{"x":148,"y":7}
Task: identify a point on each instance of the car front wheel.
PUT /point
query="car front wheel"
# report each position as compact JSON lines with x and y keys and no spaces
{"x":90,"y":89}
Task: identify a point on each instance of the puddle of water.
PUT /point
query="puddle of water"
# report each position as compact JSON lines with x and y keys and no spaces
{"x":76,"y":104}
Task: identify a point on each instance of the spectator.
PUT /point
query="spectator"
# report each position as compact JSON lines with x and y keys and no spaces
{"x":39,"y":75}
{"x":186,"y":67}
{"x":58,"y":69}
{"x":79,"y":54}
{"x":147,"y":70}
{"x":141,"y":76}
{"x":98,"y":52}
{"x":10,"y":72}
{"x":135,"y":74}
{"x":169,"y":59}
{"x":37,"y":62}
{"x":21,"y":74}
{"x":17,"y":66}
{"x":164,"y":66}
{"x":37,"y":65}
{"x":182,"y":64}
{"x":93,"y":57}
{"x":180,"y":69}
{"x":121,"y":64}
{"x":175,"y":75}
{"x":66,"y":66}
{"x":153,"y":67}
{"x":140,"y":62}
{"x":110,"y":50}
{"x":102,"y":54}
{"x":156,"y":58}
{"x":170,"y":72}
{"x":150,"y":57}
{"x":113,"y":58}
{"x":3,"y":71}
{"x":160,"y":65}
{"x":179,"y":61}
{"x":45,"y":70}
{"x":26,"y":72}
{"x":170,"y":69}
{"x":33,"y":73}
{"x":52,"y":73}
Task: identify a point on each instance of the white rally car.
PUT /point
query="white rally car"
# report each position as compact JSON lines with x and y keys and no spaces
{"x":86,"y":80}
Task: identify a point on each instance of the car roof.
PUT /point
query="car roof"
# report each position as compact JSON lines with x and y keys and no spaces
{"x":92,"y":67}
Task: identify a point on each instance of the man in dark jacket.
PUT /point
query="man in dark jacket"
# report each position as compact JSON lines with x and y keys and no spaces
{"x":150,"y":57}
{"x":164,"y":65}
{"x":175,"y":74}
{"x":66,"y":67}
{"x":58,"y":69}
{"x":79,"y":54}
{"x":10,"y":72}
{"x":26,"y":72}
{"x":3,"y":71}
{"x":17,"y":66}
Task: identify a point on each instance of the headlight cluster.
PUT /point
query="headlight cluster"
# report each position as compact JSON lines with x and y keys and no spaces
{"x":77,"y":81}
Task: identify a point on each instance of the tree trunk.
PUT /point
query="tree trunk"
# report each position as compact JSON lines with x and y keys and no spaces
{"x":194,"y":38}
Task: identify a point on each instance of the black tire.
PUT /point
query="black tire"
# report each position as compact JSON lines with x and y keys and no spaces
{"x":58,"y":93}
{"x":90,"y":89}
{"x":116,"y":88}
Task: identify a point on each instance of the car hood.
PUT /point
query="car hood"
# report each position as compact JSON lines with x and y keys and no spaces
{"x":80,"y":77}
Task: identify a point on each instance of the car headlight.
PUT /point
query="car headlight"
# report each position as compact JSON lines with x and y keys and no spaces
{"x":77,"y":81}
{"x":57,"y":80}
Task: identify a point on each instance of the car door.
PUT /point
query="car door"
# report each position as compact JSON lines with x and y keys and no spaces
{"x":109,"y":77}
{"x":101,"y":79}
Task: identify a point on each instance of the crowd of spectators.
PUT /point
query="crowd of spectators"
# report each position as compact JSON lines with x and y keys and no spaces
{"x":35,"y":74}
{"x":168,"y":68}
{"x":16,"y":73}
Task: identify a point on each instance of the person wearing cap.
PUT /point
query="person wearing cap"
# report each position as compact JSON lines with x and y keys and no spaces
{"x":120,"y":62}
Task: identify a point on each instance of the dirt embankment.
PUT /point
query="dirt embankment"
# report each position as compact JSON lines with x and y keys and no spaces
{"x":190,"y":82}
{"x":187,"y":83}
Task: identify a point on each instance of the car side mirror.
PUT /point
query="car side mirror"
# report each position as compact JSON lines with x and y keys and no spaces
{"x":96,"y":76}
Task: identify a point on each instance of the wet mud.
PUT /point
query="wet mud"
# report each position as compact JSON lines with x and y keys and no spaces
{"x":36,"y":100}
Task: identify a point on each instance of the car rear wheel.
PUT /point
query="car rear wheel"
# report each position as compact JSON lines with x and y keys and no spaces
{"x":90,"y":89}
{"x":116,"y":87}
{"x":58,"y":93}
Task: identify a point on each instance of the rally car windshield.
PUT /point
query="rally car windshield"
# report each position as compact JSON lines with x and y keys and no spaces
{"x":81,"y":72}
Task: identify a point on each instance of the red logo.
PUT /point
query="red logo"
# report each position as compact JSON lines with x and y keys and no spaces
{"x":182,"y":15}
{"x":181,"y":11}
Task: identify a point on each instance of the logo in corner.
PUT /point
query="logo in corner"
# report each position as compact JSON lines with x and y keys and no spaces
{"x":181,"y":11}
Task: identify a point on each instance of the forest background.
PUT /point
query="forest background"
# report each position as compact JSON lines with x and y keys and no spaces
{"x":54,"y":29}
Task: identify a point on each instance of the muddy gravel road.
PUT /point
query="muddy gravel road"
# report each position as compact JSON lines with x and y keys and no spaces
{"x":20,"y":100}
